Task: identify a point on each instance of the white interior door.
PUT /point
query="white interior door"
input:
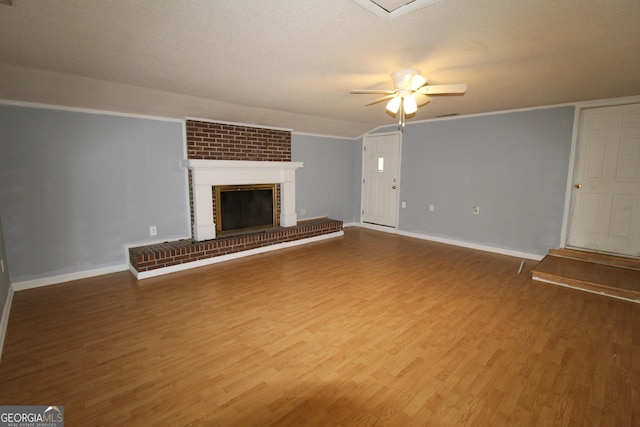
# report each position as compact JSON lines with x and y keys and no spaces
{"x":605,"y":202}
{"x":380,"y":181}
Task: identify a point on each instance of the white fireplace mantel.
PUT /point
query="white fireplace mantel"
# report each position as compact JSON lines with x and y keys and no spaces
{"x":208,"y":173}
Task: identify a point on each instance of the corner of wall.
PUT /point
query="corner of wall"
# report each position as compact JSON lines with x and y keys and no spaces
{"x":6,"y":292}
{"x":4,"y":319}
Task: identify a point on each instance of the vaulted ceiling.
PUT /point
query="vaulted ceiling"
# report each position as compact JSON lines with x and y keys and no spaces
{"x":292,"y":63}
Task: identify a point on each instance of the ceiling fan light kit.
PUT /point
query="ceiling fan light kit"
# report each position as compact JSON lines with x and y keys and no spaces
{"x":409,"y":104}
{"x":408,"y":84}
{"x":394,"y":105}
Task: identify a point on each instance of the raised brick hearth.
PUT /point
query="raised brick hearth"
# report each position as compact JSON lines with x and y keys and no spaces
{"x":227,"y":154}
{"x":162,"y":258}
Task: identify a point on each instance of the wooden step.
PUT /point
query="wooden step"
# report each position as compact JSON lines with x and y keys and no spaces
{"x":605,"y":259}
{"x":587,"y":272}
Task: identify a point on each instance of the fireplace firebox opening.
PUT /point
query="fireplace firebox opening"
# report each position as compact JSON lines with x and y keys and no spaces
{"x":241,"y":208}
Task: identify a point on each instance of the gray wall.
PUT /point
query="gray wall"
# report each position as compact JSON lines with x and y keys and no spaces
{"x":325,"y":186}
{"x":513,"y":166}
{"x":78,"y":186}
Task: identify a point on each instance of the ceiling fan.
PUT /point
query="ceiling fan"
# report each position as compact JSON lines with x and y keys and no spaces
{"x":411,"y":90}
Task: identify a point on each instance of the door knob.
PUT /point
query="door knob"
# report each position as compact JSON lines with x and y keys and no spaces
{"x":578,"y":185}
{"x":394,"y":187}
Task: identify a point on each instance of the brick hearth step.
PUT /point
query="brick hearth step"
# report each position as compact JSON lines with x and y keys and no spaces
{"x":169,"y":254}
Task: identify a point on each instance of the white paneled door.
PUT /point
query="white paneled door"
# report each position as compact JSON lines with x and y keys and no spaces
{"x":380,"y":180}
{"x":605,"y":202}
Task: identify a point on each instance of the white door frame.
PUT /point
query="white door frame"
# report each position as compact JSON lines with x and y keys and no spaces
{"x":574,"y":143}
{"x":362,"y":176}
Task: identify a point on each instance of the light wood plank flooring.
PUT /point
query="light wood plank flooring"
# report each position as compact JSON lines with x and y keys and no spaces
{"x":367,"y":329}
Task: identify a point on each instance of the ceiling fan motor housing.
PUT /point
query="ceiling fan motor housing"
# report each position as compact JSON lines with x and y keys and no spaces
{"x":408,"y":78}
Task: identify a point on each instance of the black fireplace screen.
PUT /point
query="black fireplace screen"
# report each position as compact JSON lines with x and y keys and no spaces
{"x":245,"y":207}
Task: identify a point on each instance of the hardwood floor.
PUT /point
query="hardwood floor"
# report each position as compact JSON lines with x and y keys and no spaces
{"x":368,"y":329}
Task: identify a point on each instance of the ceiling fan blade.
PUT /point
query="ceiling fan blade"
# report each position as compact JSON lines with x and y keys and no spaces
{"x":443,"y":89}
{"x":382,"y":98}
{"x":421,"y":99}
{"x":388,"y":92}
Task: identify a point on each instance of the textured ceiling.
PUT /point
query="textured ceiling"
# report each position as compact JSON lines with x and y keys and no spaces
{"x":292,"y":63}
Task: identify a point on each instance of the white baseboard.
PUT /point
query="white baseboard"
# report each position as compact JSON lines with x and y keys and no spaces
{"x":194,"y":264}
{"x":4,"y":319}
{"x":350,"y":224}
{"x":469,"y":245}
{"x":383,"y":228}
{"x":485,"y":248}
{"x":52,"y":280}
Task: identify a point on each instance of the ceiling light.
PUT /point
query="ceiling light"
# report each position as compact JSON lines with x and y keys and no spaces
{"x":394,"y":105}
{"x":409,"y":104}
{"x":408,"y":84}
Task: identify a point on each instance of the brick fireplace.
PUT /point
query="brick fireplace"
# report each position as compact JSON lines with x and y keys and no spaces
{"x":233,"y":142}
{"x":221,"y":154}
{"x":207,"y":174}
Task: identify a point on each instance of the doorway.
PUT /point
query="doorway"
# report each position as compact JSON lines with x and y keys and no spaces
{"x":380,"y":179}
{"x":605,"y":198}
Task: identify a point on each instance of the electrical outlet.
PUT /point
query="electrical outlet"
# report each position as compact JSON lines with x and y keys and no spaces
{"x":404,"y":205}
{"x":432,"y":208}
{"x":303,"y":211}
{"x":476,"y":210}
{"x":153,"y":230}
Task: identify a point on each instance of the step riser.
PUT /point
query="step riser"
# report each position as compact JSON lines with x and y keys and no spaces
{"x":634,"y":299}
{"x":597,"y":258}
{"x":582,"y":285}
